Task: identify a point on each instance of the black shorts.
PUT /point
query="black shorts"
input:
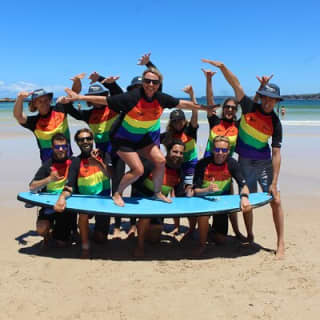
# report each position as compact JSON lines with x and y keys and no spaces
{"x":127,"y":146}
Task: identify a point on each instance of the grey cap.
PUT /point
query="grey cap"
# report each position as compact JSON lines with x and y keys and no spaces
{"x":270,"y":90}
{"x":136,"y":81}
{"x":39,"y":93}
{"x":96,"y":89}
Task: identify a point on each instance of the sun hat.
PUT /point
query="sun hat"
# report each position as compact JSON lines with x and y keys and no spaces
{"x":39,"y":93}
{"x":96,"y":89}
{"x":134,"y":82}
{"x":270,"y":90}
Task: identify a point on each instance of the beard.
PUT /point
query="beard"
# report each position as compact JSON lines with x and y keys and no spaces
{"x":86,"y":151}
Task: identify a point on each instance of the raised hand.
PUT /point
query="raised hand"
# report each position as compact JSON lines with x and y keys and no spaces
{"x":24,"y":94}
{"x":264,"y":80}
{"x":72,"y":96}
{"x":214,"y":63}
{"x":78,"y":76}
{"x":54,"y":175}
{"x":208,"y":73}
{"x":110,"y":79}
{"x":144,"y":59}
{"x":188,"y":89}
{"x":96,"y":155}
{"x":94,"y":77}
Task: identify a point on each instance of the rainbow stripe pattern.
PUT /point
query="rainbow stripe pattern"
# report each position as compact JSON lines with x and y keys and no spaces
{"x":224,"y":128}
{"x":254,"y":132}
{"x":170,"y":180}
{"x":221,"y":176}
{"x":143,"y":119}
{"x":46,"y":127}
{"x":63,"y":170}
{"x":100,"y":123}
{"x":91,"y":180}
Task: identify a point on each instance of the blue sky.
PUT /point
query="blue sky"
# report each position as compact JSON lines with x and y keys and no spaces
{"x":45,"y":43}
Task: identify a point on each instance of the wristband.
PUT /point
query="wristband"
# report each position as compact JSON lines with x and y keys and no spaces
{"x":244,"y":195}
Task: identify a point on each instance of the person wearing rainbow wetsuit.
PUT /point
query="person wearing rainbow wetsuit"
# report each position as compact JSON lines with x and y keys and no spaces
{"x":89,"y":175}
{"x":258,"y":162}
{"x":51,"y":177}
{"x":213,"y":176}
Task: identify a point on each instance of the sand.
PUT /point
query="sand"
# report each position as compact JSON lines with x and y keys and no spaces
{"x":230,"y":282}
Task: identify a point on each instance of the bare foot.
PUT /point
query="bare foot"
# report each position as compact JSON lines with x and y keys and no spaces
{"x":117,"y":199}
{"x":280,"y":252}
{"x":198,"y":252}
{"x":250,"y":238}
{"x":116,"y":233}
{"x":85,"y":254}
{"x":240,"y":237}
{"x":138,"y":252}
{"x":132,"y":232}
{"x":162,"y":197}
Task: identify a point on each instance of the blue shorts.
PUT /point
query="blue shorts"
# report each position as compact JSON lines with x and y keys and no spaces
{"x":257,"y":171}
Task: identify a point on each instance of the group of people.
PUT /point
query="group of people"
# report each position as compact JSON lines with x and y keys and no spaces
{"x":125,"y":128}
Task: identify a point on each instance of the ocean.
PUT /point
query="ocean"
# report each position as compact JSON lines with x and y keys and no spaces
{"x":298,"y":112}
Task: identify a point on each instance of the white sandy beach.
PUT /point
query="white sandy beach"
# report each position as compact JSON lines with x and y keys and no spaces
{"x":230,"y":282}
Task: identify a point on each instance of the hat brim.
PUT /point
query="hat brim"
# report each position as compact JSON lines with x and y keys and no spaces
{"x":50,"y":94}
{"x":99,"y":93}
{"x":269,"y":94}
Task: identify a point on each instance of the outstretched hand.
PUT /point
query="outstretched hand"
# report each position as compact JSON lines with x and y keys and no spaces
{"x":94,"y":77}
{"x":208,"y":73}
{"x":144,"y":59}
{"x":217,"y":64}
{"x":78,"y":76}
{"x":188,"y":89}
{"x":110,"y":79}
{"x":264,"y":80}
{"x":72,"y":96}
{"x":24,"y":94}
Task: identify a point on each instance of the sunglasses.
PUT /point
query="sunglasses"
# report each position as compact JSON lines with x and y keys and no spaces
{"x":89,"y":139}
{"x":223,"y":150}
{"x":230,"y":107}
{"x":61,"y":146}
{"x":148,"y":81}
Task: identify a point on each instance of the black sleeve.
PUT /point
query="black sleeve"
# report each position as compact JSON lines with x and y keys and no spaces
{"x":43,"y":172}
{"x":69,"y":109}
{"x":31,"y":123}
{"x":235,"y":171}
{"x":247,"y":104}
{"x":277,"y":132}
{"x":124,"y":102}
{"x":73,"y":174}
{"x":213,"y":121}
{"x":166,"y":101}
{"x":191,"y":131}
{"x":113,"y":88}
{"x":85,"y":115}
{"x":199,"y":172}
{"x":162,"y":137}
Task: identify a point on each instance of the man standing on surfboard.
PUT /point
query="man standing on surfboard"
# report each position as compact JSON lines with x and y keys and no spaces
{"x":87,"y":175}
{"x":213,"y":176}
{"x":258,"y":163}
{"x":51,"y":177}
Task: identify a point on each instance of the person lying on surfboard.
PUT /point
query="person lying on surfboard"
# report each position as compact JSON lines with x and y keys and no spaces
{"x":213,"y":176}
{"x":138,"y":131}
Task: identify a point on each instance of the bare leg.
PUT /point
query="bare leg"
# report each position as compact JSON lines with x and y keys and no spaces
{"x":84,"y":234}
{"x":234,"y":222}
{"x":176,"y":226}
{"x":133,"y":161}
{"x":153,"y":153}
{"x":278,"y":219}
{"x":203,"y":226}
{"x":143,"y":227}
{"x":133,"y":229}
{"x":43,"y":228}
{"x":248,"y":220}
{"x":192,"y":227}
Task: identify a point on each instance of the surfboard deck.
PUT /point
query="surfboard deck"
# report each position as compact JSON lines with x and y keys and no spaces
{"x":147,"y":207}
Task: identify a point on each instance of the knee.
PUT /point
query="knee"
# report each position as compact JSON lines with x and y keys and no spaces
{"x":42,"y":228}
{"x":138,"y":171}
{"x":160,"y":161}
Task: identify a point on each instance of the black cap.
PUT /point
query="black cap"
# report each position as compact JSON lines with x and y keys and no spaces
{"x":270,"y":90}
{"x":136,"y":81}
{"x":177,"y":115}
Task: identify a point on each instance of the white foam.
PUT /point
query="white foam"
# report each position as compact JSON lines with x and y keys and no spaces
{"x":305,"y":123}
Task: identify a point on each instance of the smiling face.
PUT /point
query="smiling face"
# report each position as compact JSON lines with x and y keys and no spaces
{"x":175,"y":156}
{"x":229,"y":109}
{"x":85,"y":142}
{"x":42,"y":104}
{"x":178,"y":125}
{"x":150,"y":83}
{"x":268,"y":103}
{"x":220,"y":152}
{"x":60,"y":149}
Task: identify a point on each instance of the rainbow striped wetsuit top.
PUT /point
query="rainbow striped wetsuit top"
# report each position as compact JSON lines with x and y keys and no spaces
{"x":221,"y":127}
{"x":208,"y":171}
{"x":255,"y":129}
{"x":139,"y":125}
{"x":44,"y":127}
{"x":190,"y":156}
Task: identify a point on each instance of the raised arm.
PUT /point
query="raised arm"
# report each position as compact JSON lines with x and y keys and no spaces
{"x":194,"y":118}
{"x":229,"y":76}
{"x":18,"y":107}
{"x":264,"y":80}
{"x":109,"y":82}
{"x":77,"y":85}
{"x":73,"y":96}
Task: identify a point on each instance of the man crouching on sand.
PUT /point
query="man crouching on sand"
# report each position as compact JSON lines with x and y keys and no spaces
{"x":213,"y":176}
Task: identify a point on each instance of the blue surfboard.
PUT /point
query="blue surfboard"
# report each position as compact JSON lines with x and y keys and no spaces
{"x":147,"y":207}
